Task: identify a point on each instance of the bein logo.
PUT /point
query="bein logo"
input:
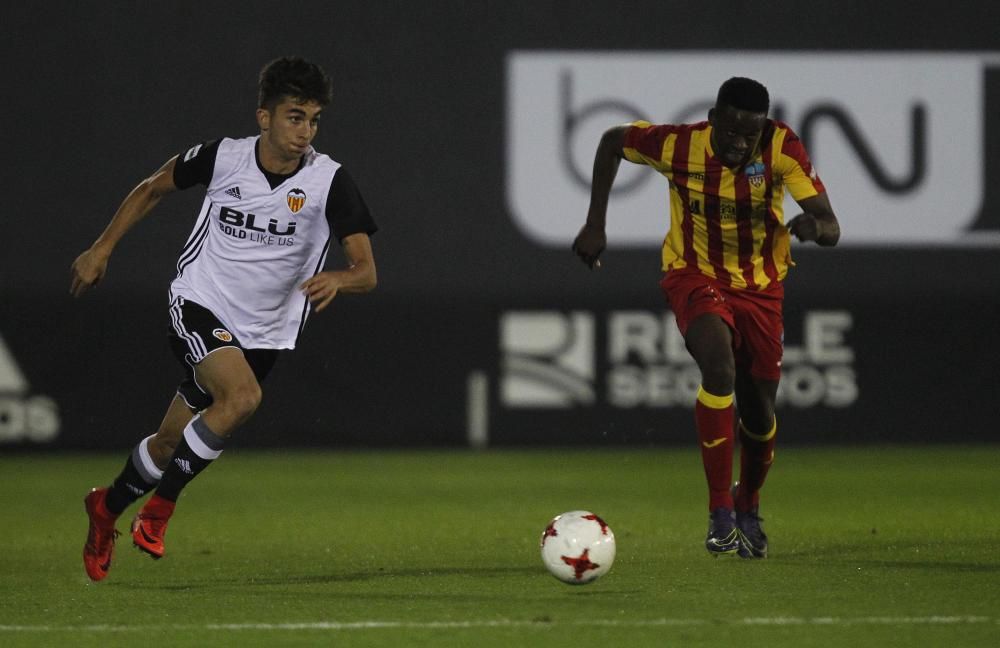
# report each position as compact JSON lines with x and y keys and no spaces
{"x":548,"y":359}
{"x":897,"y":138}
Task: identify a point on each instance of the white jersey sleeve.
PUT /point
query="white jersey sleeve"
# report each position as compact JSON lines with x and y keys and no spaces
{"x":253,"y":245}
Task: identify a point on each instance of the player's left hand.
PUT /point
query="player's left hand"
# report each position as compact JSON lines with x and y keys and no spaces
{"x":321,"y":289}
{"x":589,"y":244}
{"x":804,"y":227}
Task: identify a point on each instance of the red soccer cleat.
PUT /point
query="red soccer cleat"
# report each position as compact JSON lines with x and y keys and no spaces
{"x":150,"y":525}
{"x":101,"y":536}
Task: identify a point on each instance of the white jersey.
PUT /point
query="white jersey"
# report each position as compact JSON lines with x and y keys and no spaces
{"x":253,"y":245}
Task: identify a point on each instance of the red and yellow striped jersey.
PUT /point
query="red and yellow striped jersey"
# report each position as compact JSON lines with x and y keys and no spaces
{"x":728,"y":224}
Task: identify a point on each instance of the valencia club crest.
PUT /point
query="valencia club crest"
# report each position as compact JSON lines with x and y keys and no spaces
{"x":296,"y":200}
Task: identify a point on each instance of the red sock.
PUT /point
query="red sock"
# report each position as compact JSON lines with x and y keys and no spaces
{"x":713,"y":416}
{"x":756,"y":455}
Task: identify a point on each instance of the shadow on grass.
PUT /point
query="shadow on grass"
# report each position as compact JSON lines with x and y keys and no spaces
{"x":375,"y":575}
{"x":943,"y":565}
{"x":898,"y":556}
{"x":381,"y":573}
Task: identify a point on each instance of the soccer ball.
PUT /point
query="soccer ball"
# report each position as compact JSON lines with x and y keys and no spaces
{"x":578,"y":547}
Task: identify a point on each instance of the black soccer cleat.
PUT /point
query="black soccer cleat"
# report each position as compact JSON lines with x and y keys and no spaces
{"x":723,"y":537}
{"x":753,"y":540}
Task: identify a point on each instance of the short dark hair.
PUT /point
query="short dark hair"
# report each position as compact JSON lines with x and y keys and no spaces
{"x":744,"y":94}
{"x":293,"y":77}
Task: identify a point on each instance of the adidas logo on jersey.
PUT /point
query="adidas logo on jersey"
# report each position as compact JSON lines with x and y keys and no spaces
{"x":234,"y":192}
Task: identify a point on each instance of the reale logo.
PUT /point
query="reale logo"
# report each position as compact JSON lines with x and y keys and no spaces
{"x":548,"y":359}
{"x":897,"y":137}
{"x":551,"y":360}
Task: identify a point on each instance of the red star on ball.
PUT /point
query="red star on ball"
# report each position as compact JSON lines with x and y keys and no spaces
{"x":580,"y":565}
{"x":550,"y":531}
{"x":604,"y":525}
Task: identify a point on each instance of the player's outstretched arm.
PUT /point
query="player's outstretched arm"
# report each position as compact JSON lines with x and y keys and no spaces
{"x":817,"y":222}
{"x":591,"y":241}
{"x":89,"y":268}
{"x":358,"y":277}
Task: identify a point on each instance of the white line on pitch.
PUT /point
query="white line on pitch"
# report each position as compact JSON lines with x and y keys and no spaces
{"x":512,"y":623}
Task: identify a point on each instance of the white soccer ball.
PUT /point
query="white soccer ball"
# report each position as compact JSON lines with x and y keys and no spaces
{"x":578,"y":547}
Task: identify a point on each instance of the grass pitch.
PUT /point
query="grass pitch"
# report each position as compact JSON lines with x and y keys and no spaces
{"x":887,"y":546}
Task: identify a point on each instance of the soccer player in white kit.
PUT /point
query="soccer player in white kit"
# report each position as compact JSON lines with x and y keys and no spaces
{"x":246,"y":279}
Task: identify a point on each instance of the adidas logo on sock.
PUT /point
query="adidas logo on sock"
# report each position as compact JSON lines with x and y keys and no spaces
{"x":234,"y":192}
{"x":184,"y":465}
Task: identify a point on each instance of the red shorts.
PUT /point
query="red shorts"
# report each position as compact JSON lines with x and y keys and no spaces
{"x":753,"y":315}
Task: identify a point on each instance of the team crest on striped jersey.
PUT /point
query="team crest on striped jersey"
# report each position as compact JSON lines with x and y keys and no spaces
{"x":296,"y":199}
{"x":755,"y":173}
{"x":223,"y":334}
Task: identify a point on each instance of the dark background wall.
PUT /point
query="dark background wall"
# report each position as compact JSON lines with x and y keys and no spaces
{"x":99,"y":95}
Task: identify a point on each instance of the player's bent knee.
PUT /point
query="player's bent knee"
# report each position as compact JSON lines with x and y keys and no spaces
{"x":758,"y":424}
{"x":757,"y":417}
{"x":243,"y":402}
{"x":718,"y":377}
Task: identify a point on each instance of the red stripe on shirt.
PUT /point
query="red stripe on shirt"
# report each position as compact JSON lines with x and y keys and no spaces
{"x":793,"y":148}
{"x":648,"y":141}
{"x":744,"y":229}
{"x":713,"y":218}
{"x":679,"y":161}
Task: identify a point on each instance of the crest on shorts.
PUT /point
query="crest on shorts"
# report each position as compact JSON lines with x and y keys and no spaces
{"x":296,"y":199}
{"x":223,"y":334}
{"x":755,"y":173}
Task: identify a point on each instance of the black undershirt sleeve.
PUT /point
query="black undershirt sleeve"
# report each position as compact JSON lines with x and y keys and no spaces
{"x":196,"y":165}
{"x":346,"y":210}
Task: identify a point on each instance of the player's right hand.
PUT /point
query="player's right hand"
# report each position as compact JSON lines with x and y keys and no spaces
{"x":87,"y":271}
{"x":804,"y":227}
{"x":589,"y":244}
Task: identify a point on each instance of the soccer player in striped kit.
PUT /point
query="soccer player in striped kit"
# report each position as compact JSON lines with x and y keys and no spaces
{"x":725,"y":255}
{"x":247,"y":278}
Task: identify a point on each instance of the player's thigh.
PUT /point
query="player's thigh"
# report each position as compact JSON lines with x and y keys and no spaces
{"x":704,"y":318}
{"x":196,"y":333}
{"x":226,"y":374}
{"x":758,"y":318}
{"x":708,"y":337}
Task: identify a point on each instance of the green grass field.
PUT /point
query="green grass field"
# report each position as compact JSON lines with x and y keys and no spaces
{"x":886,"y":546}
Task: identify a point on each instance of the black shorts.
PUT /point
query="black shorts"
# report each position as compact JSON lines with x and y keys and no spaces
{"x":195,"y":332}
